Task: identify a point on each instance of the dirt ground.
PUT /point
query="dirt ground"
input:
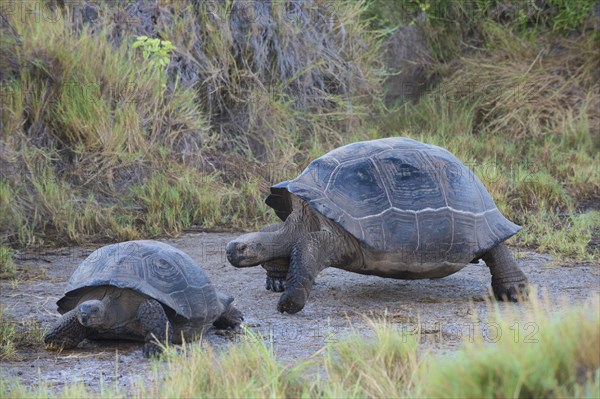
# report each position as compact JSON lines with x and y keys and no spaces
{"x":444,"y":310}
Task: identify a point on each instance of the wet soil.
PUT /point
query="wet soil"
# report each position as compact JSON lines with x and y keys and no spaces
{"x":446,"y":311}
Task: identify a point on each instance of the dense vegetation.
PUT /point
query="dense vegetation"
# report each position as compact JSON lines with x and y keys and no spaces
{"x":97,"y":143}
{"x":100,"y":144}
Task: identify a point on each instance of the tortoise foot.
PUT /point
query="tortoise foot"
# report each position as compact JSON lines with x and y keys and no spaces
{"x":151,"y":349}
{"x":511,"y":292}
{"x":231,"y":318}
{"x":287,"y":303}
{"x":275,"y":284}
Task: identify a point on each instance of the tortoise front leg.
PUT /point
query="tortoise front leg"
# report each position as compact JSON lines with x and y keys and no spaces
{"x":155,"y":326}
{"x":310,"y":255}
{"x":67,"y":333}
{"x":508,"y":281}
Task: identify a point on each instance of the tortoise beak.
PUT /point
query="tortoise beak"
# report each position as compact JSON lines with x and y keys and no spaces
{"x":235,"y":253}
{"x":240,"y":254}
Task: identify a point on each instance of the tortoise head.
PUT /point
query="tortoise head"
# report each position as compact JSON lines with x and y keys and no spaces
{"x":253,"y":249}
{"x":250,"y":249}
{"x":91,"y":313}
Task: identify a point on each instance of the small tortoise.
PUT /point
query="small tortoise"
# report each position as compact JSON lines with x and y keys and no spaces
{"x":140,"y":290}
{"x":392,"y":207}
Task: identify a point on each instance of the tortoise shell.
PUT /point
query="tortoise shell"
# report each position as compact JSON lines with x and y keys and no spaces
{"x":157,"y":270}
{"x":400,"y":195}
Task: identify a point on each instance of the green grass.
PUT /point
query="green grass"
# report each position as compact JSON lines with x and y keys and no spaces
{"x":7,"y":265}
{"x":97,"y":147}
{"x":8,"y":332}
{"x":536,"y":353}
{"x":383,"y":366}
{"x":104,"y":151}
{"x":450,"y":24}
{"x":536,"y":357}
{"x":178,"y":200}
{"x":16,"y":335}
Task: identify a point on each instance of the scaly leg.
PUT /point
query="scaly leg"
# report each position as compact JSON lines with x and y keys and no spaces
{"x":155,"y":326}
{"x":310,"y":255}
{"x":67,"y":332}
{"x":508,"y":281}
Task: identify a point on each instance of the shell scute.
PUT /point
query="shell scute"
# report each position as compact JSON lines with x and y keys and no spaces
{"x":412,"y":183}
{"x":358,"y":187}
{"x":400,"y":231}
{"x":357,"y":150}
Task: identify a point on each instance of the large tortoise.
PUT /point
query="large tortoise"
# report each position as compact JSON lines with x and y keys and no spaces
{"x":393,"y":207}
{"x":143,"y":291}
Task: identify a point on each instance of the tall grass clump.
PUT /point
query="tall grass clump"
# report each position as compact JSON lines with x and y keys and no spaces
{"x":91,"y":129}
{"x":455,"y":26}
{"x":246,"y":369}
{"x":379,"y":367}
{"x":272,"y":76}
{"x":535,"y":356}
{"x":83,"y":120}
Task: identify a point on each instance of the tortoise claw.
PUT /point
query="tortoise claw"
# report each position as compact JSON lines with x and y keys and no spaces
{"x":512,"y":293}
{"x":275,"y":284}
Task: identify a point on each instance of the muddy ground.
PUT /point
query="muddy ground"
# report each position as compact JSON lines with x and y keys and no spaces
{"x":444,"y":309}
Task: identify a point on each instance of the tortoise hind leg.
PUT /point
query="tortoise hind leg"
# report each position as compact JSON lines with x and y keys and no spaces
{"x":508,"y":281}
{"x":231,"y":317}
{"x":67,"y":333}
{"x":155,"y":326}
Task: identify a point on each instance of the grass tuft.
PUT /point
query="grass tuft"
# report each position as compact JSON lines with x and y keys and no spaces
{"x":7,"y":265}
{"x":16,"y":335}
{"x":539,"y":356}
{"x":382,"y":366}
{"x":246,"y":369}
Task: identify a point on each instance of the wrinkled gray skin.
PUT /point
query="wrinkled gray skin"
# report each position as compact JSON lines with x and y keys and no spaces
{"x":295,"y":251}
